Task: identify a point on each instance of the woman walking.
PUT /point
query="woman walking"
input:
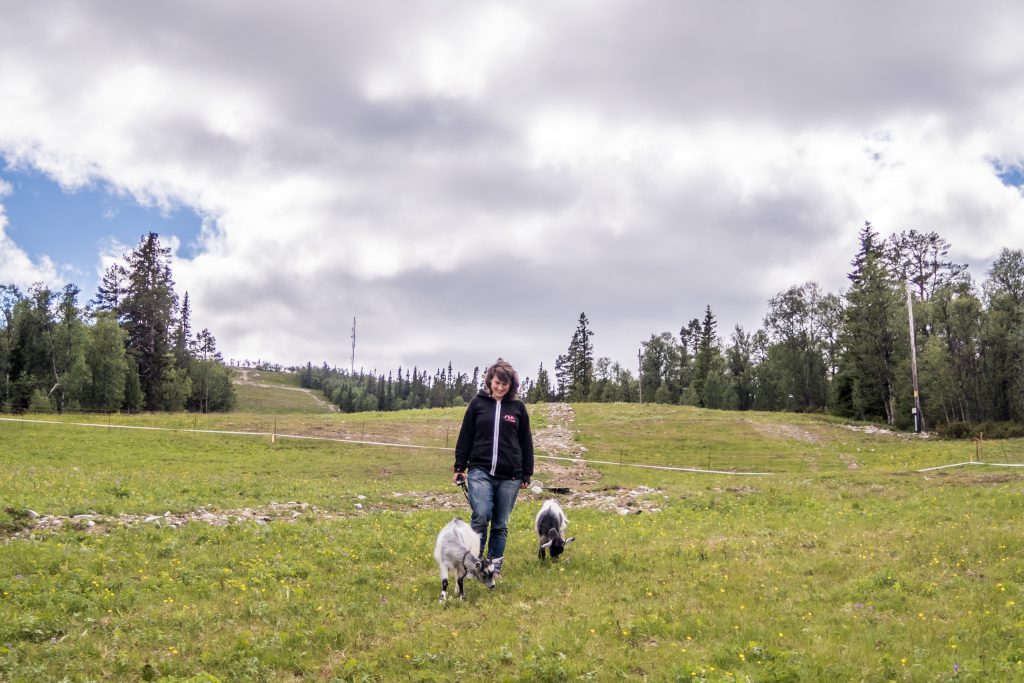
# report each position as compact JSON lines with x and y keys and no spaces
{"x":494,"y":454}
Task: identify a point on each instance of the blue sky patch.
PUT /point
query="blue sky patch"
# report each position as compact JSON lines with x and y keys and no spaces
{"x":72,"y":226}
{"x":1011,"y":175}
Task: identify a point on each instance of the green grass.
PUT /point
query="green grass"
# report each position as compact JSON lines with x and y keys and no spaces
{"x":764,"y":442}
{"x":250,"y":399}
{"x":275,"y":393}
{"x":819,"y":571}
{"x":433,"y":427}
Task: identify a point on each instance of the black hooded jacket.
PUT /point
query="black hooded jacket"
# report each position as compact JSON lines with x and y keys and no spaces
{"x":513,"y":457}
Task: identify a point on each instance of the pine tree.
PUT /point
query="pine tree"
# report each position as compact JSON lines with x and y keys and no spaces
{"x":708,"y":382}
{"x":147,"y":316}
{"x":112,"y":289}
{"x":541,"y":389}
{"x":183,"y":347}
{"x":561,"y":376}
{"x":871,"y":333}
{"x":580,"y":362}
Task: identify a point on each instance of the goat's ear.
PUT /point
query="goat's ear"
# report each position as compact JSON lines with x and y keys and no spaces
{"x":546,"y":545}
{"x":570,"y":540}
{"x":479,"y":565}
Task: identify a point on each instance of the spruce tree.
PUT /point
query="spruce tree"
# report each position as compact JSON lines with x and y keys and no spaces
{"x":873,"y":313}
{"x":708,"y":385}
{"x":112,"y":289}
{"x":183,"y":347}
{"x":147,"y":315}
{"x":580,"y":361}
{"x":541,"y":389}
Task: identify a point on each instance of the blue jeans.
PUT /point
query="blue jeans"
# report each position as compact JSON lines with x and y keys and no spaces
{"x":492,"y":500}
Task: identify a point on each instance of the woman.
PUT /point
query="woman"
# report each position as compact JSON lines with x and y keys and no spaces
{"x":495,"y":446}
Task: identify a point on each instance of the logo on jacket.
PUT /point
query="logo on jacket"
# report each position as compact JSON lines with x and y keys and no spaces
{"x":509,"y":418}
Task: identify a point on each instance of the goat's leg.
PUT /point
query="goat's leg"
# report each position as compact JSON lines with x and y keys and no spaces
{"x":462,"y":592}
{"x":444,"y":583}
{"x":541,"y":553}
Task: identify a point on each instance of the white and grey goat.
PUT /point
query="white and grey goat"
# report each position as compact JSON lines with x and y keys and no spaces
{"x":455,"y":551}
{"x":551,"y":524}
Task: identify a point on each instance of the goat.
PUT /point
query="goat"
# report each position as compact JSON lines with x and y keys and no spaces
{"x":551,"y":524}
{"x":454,"y":550}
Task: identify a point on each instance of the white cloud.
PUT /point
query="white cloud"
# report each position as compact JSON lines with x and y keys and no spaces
{"x":16,"y":267}
{"x":471,"y":176}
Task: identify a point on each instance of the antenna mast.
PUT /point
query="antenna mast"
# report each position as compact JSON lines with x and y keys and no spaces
{"x":352,"y":365}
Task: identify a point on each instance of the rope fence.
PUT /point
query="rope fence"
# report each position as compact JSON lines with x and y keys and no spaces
{"x":275,"y":435}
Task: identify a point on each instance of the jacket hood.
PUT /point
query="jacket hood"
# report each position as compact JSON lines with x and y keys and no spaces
{"x":483,"y":393}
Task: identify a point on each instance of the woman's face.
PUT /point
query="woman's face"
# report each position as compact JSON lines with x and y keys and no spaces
{"x":498,"y":388}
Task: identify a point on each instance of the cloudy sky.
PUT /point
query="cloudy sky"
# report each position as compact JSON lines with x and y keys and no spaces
{"x":466,"y":177}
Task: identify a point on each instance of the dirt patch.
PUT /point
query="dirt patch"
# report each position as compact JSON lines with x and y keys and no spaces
{"x":777,"y":430}
{"x":557,"y":437}
{"x":872,"y":429}
{"x":963,"y":477}
{"x":618,"y":500}
{"x":558,"y":440}
{"x":93,"y":522}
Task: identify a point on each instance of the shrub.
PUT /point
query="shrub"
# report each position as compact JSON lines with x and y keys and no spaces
{"x":40,"y":402}
{"x":988,"y":429}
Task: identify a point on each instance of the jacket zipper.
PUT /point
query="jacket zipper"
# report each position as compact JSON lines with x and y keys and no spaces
{"x":497,"y":425}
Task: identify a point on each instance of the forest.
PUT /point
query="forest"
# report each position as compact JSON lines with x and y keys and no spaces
{"x":852,"y":353}
{"x":847,"y":353}
{"x":130,"y":348}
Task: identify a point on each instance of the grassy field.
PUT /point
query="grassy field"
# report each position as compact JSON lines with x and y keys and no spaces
{"x":844,"y":563}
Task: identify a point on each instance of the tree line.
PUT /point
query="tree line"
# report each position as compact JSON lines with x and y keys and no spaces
{"x":848,"y":354}
{"x":398,"y":390}
{"x":131,"y":348}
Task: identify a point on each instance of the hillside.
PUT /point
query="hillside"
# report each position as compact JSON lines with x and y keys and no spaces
{"x":275,"y":392}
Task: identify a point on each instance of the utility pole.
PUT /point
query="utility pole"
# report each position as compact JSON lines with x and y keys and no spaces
{"x":918,"y":418}
{"x":352,"y":364}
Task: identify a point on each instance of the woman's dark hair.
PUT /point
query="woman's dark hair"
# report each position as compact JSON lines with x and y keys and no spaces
{"x":504,"y":371}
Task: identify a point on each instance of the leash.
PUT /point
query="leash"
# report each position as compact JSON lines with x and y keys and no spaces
{"x":465,"y":488}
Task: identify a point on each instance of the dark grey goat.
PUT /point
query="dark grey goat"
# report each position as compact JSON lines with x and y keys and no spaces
{"x":454,"y":551}
{"x":551,"y":525}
